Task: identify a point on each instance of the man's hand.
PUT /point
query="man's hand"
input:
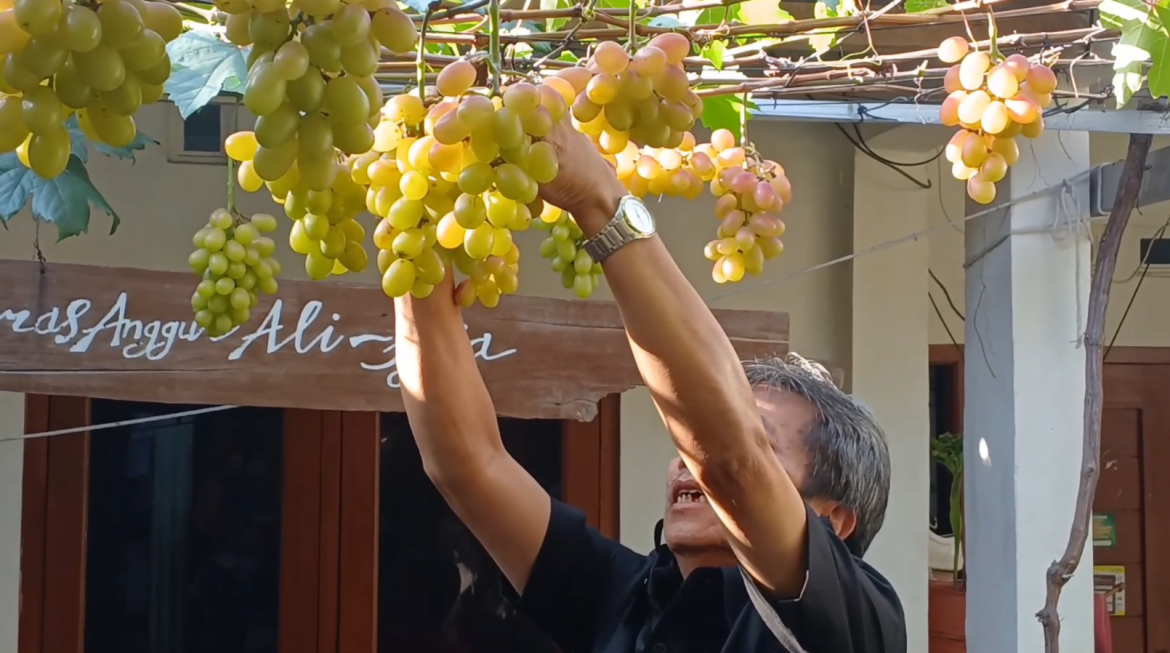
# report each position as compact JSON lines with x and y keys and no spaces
{"x":586,"y":185}
{"x":454,"y":423}
{"x":694,"y":376}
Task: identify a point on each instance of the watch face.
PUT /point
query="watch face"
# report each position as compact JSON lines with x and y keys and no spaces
{"x":638,"y":216}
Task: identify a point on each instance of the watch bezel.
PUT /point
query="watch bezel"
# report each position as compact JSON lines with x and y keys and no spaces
{"x":631,"y":205}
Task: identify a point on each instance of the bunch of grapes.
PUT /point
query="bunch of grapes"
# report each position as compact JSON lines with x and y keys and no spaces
{"x":235,"y":262}
{"x":675,"y":172}
{"x":563,"y":249}
{"x":751,"y":193}
{"x":645,"y":98}
{"x":465,"y":176}
{"x":992,"y":102}
{"x":325,"y":227}
{"x":311,"y":85}
{"x":102,"y":64}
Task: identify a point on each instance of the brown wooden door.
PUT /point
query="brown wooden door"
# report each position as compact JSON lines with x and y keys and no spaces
{"x":215,"y":532}
{"x":1132,"y":505}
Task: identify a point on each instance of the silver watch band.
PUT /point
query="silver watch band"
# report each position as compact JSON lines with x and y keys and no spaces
{"x":608,"y":240}
{"x":619,"y":231}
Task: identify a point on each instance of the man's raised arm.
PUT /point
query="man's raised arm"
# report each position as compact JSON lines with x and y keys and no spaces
{"x":454,"y":424}
{"x":694,"y":377}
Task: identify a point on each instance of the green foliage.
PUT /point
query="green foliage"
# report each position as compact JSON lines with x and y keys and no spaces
{"x":202,"y":67}
{"x":947,"y":450}
{"x":823,"y":40}
{"x":1145,"y":42}
{"x":81,"y":144}
{"x":919,"y":6}
{"x":726,"y":112}
{"x":64,"y":201}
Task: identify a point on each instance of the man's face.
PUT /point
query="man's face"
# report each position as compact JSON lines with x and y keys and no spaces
{"x":691,"y":526}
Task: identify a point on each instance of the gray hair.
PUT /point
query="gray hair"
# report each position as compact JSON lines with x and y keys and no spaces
{"x":849,"y":460}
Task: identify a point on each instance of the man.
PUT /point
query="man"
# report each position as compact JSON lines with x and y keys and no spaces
{"x":780,"y":475}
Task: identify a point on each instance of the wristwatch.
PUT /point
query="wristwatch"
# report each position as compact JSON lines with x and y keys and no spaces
{"x":632,"y":222}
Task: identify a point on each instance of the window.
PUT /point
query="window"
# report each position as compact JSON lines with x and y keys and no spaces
{"x":946,"y":391}
{"x":199,"y":138}
{"x":183,"y":552}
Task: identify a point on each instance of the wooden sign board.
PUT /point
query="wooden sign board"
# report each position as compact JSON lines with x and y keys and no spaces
{"x":128,"y":334}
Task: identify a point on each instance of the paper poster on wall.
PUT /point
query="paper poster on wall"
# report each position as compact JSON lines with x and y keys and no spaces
{"x":1110,"y":581}
{"x":1104,"y":531}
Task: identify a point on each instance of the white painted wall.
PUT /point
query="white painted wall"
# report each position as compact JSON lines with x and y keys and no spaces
{"x":890,"y":372}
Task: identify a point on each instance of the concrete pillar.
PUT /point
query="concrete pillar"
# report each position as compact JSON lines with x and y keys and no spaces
{"x":890,"y":366}
{"x":1024,"y":392}
{"x":11,"y":467}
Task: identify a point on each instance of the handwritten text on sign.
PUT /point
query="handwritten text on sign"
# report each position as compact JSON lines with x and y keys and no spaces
{"x":154,"y":340}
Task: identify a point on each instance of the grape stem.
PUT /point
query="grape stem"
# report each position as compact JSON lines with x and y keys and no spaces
{"x":743,"y":119}
{"x":632,"y":44}
{"x":421,"y":59}
{"x":231,"y":186}
{"x":495,"y":61}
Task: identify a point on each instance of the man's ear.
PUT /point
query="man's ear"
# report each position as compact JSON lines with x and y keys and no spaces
{"x":843,"y":519}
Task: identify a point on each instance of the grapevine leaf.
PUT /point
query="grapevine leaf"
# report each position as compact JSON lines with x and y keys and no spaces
{"x":722,"y":112}
{"x":64,"y":201}
{"x":761,"y":12}
{"x":713,"y":52}
{"x":554,"y":24}
{"x":919,"y":6}
{"x":1159,"y":75}
{"x":1127,"y":81}
{"x":13,"y":191}
{"x":1115,"y":14}
{"x":80,"y":143}
{"x":201,"y":67}
{"x":669,"y":22}
{"x":568,"y":56}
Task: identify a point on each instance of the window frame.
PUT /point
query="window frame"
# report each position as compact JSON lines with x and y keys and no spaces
{"x":230,"y":112}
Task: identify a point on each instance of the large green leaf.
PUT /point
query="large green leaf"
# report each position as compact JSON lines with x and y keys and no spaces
{"x":64,"y":201}
{"x":723,"y":112}
{"x":81,"y":141}
{"x":1159,"y":46}
{"x":203,"y":66}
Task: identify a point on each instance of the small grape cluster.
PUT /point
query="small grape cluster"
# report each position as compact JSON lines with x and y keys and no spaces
{"x":325,"y":227}
{"x":563,"y":249}
{"x":675,"y":172}
{"x":236,"y":262}
{"x":645,"y":98}
{"x":103,"y":64}
{"x":311,"y":80}
{"x":751,"y":193}
{"x":993,"y":102}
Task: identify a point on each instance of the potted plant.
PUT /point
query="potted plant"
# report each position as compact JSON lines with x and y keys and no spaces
{"x":947,"y":599}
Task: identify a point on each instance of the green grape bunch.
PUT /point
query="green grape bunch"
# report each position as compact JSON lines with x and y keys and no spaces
{"x":325,"y":230}
{"x":563,"y":249}
{"x":101,"y":62}
{"x":235,"y":263}
{"x":311,"y":80}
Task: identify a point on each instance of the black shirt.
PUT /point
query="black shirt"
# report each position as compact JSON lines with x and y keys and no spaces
{"x":593,"y":595}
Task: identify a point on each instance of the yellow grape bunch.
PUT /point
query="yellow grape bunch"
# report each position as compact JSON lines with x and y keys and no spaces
{"x":645,"y":98}
{"x":100,"y":61}
{"x":462,"y":176}
{"x":325,"y":227}
{"x":751,"y":193}
{"x":992,"y":101}
{"x":234,"y":261}
{"x":681,"y":171}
